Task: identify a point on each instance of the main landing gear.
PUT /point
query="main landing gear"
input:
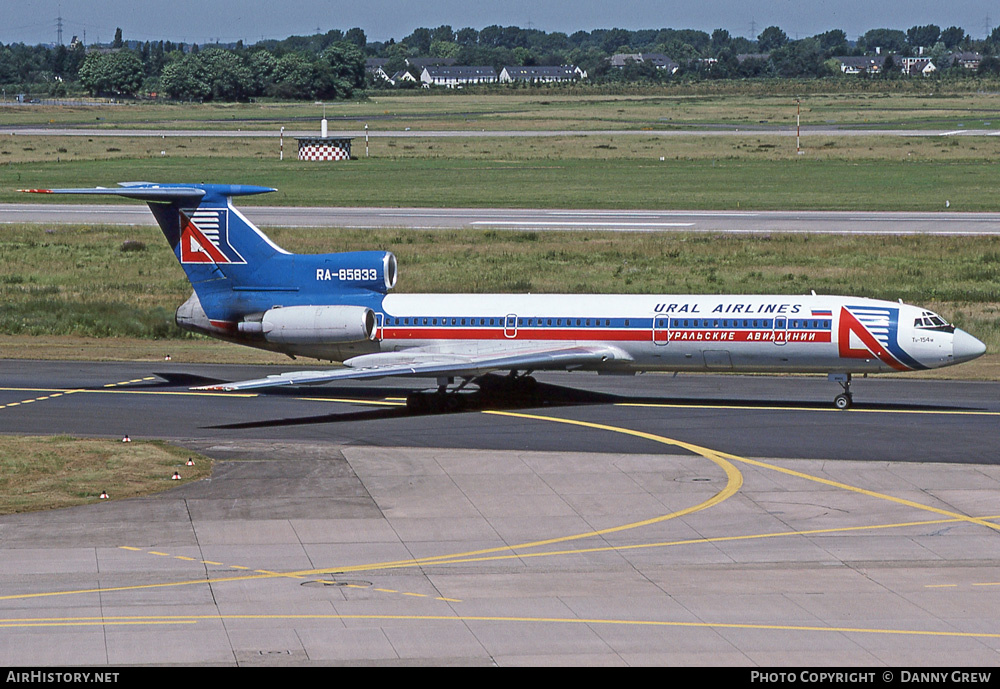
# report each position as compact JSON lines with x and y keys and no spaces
{"x":493,"y":388}
{"x":845,"y":399}
{"x":437,"y":402}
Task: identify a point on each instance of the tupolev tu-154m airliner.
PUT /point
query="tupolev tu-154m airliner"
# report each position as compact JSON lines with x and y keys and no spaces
{"x":337,"y":307}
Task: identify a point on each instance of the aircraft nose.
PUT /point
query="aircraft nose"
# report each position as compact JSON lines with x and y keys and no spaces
{"x":965,"y":347}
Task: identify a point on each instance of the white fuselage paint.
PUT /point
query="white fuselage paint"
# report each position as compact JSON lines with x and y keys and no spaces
{"x":674,"y":332}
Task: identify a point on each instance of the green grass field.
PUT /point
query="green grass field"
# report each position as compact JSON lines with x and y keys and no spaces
{"x":737,"y":182}
{"x":746,"y":170}
{"x":854,"y":103}
{"x":79,"y":281}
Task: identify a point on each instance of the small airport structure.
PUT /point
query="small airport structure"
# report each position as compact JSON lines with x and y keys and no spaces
{"x":324,"y":147}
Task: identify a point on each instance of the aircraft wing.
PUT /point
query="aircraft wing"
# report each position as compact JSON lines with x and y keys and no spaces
{"x":417,"y":363}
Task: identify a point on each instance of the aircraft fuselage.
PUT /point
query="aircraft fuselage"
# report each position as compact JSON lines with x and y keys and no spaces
{"x":807,"y":334}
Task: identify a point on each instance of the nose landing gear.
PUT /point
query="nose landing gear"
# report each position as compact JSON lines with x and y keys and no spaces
{"x":845,"y":399}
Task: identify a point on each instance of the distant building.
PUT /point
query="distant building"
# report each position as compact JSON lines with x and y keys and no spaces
{"x":541,"y":75}
{"x":966,"y":60}
{"x":458,"y":76}
{"x":875,"y":64}
{"x":861,"y":64}
{"x":419,"y":63}
{"x":376,"y":67}
{"x":917,"y":66}
{"x":658,"y":60}
{"x":402,"y":75}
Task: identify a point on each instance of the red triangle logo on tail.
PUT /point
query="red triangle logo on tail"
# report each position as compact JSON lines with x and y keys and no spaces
{"x":199,"y":245}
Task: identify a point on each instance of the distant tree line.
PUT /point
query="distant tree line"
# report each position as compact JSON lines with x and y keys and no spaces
{"x":232,"y":73}
{"x":331,"y":65}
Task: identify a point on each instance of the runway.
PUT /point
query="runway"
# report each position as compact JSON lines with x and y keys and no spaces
{"x":748,"y":222}
{"x":689,"y":520}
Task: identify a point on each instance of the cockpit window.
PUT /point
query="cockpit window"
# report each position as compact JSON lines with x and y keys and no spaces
{"x":932,"y":321}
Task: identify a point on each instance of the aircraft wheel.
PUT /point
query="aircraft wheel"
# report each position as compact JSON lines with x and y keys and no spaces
{"x":842,"y":401}
{"x":417,"y":402}
{"x":528,"y":384}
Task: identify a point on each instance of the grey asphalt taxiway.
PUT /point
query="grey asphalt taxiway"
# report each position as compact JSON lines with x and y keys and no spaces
{"x":694,"y":520}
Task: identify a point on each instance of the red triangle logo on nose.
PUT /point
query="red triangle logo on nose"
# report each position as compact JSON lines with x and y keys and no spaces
{"x":851,"y":326}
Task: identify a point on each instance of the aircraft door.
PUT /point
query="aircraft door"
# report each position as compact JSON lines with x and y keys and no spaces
{"x":780,"y":330}
{"x":661,"y":330}
{"x":510,"y":326}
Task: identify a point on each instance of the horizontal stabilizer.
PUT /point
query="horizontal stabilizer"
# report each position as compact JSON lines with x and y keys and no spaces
{"x":147,"y":191}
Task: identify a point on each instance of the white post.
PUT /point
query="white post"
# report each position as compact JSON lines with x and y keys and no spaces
{"x":366,"y":140}
{"x":798,"y":128}
{"x":281,"y":145}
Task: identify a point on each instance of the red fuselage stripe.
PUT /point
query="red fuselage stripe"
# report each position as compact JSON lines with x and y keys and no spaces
{"x":609,"y":335}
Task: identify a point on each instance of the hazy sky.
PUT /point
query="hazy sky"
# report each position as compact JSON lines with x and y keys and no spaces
{"x":202,"y":21}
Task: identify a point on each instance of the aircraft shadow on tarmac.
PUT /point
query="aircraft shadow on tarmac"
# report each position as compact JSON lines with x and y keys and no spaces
{"x":540,"y":395}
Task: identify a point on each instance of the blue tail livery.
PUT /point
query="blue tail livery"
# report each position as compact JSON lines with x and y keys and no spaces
{"x":338,"y":307}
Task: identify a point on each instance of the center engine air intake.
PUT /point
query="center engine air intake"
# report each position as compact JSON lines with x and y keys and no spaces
{"x":313,"y":324}
{"x":374,"y":270}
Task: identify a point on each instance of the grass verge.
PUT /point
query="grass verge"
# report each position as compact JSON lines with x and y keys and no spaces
{"x":39,"y":473}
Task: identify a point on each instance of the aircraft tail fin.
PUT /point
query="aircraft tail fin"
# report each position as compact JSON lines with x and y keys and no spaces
{"x":235,"y":269}
{"x":198,"y":220}
{"x":219,"y":249}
